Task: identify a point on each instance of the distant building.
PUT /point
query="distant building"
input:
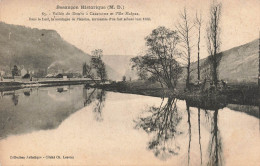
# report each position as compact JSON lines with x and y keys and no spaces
{"x":31,"y":72}
{"x":50,"y":75}
{"x":2,"y":73}
{"x":23,"y":72}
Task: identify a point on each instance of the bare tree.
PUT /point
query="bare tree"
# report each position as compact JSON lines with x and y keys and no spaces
{"x":213,"y":36}
{"x":184,"y":28}
{"x":198,"y":23}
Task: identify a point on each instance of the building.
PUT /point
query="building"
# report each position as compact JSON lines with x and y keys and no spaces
{"x":23,"y":72}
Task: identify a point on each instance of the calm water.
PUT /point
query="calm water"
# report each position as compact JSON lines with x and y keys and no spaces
{"x":107,"y":128}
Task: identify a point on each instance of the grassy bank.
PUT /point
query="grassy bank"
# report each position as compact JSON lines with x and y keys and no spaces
{"x":235,"y":94}
{"x":135,"y":87}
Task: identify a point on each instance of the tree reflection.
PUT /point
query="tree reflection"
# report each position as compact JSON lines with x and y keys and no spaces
{"x":211,"y":119}
{"x":100,"y":103}
{"x":215,"y":144}
{"x":89,"y":96}
{"x":199,"y":135}
{"x":162,"y":123}
{"x":189,"y":131}
{"x":15,"y":98}
{"x":97,"y":97}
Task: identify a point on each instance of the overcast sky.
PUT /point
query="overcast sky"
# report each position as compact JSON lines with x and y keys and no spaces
{"x":240,"y":22}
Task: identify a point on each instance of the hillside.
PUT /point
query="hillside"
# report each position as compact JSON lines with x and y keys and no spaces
{"x":40,"y":50}
{"x":121,"y":64}
{"x":237,"y":65}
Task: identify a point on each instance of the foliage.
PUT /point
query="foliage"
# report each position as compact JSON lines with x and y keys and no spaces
{"x":84,"y":69}
{"x":97,"y":64}
{"x":124,"y":78}
{"x":159,"y":60}
{"x":26,"y":76}
{"x":15,"y":71}
{"x":97,"y":53}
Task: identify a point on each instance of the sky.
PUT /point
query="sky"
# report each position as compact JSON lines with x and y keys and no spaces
{"x":240,"y":22}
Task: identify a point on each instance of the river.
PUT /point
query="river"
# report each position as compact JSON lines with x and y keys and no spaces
{"x":71,"y":125}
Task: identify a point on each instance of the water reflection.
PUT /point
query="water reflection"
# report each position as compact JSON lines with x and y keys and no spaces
{"x":97,"y":97}
{"x":199,"y":136}
{"x":30,"y":109}
{"x":215,"y":144}
{"x":215,"y":157}
{"x":15,"y":98}
{"x":100,"y":103}
{"x":27,"y":93}
{"x":27,"y":110}
{"x":89,"y":96}
{"x":162,"y":122}
{"x":189,"y":130}
{"x":171,"y":131}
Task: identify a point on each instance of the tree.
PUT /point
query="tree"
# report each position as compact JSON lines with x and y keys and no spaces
{"x":184,"y":29}
{"x":159,"y":60}
{"x":213,"y":36}
{"x":15,"y":71}
{"x":124,"y":78}
{"x":88,"y":72}
{"x":142,"y":75}
{"x":198,"y":23}
{"x":98,"y":64}
{"x":84,"y":69}
{"x":97,"y":53}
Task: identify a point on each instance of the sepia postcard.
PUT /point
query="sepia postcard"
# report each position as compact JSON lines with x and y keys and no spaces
{"x":129,"y":82}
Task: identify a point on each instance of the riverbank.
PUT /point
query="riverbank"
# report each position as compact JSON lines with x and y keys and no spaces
{"x":134,"y":87}
{"x":235,"y":94}
{"x":58,"y":82}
